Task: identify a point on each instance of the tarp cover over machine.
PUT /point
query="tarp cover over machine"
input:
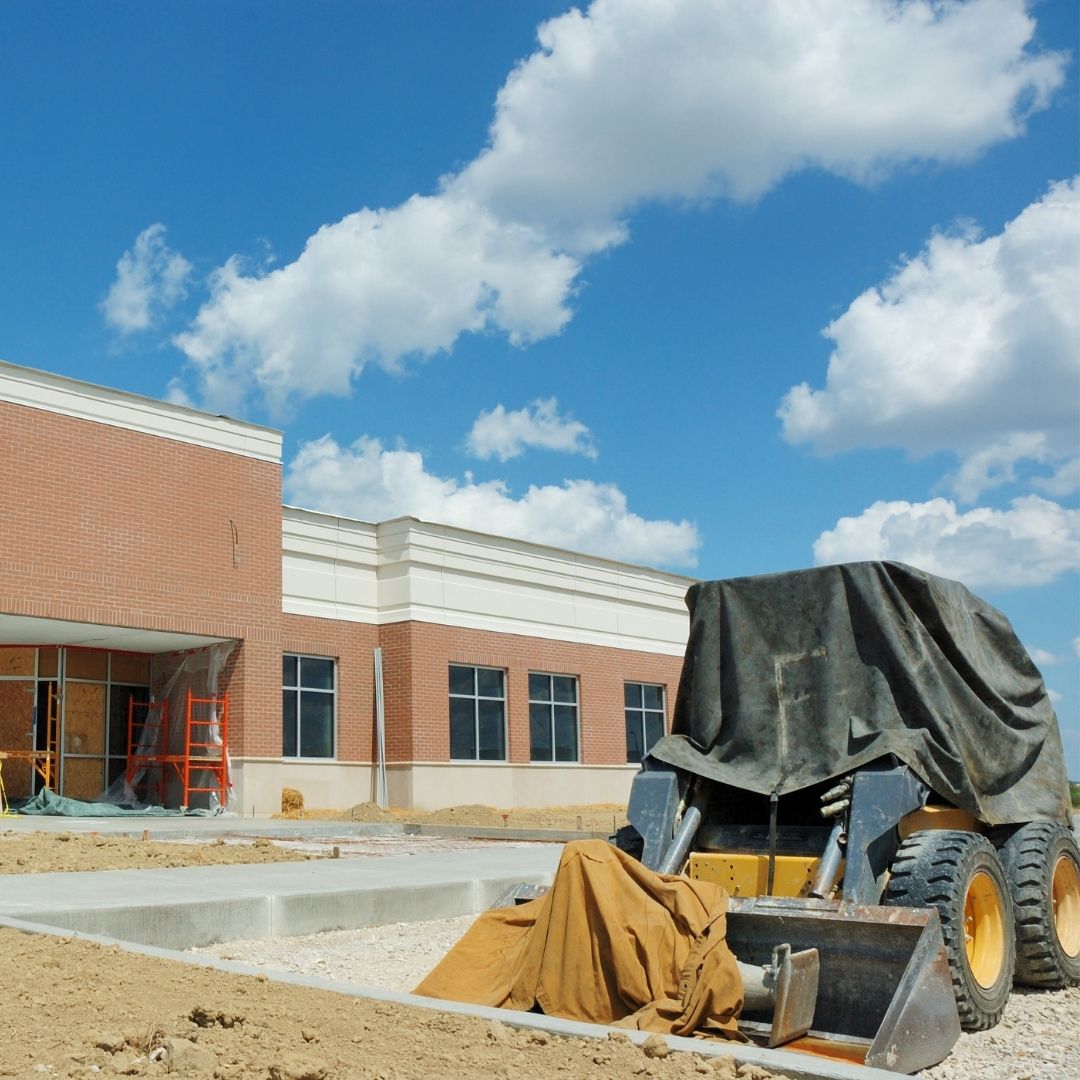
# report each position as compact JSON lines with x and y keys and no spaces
{"x":877,"y":695}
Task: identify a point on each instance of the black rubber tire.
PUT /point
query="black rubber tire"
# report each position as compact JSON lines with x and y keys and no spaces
{"x":1030,"y":855}
{"x":934,"y":869}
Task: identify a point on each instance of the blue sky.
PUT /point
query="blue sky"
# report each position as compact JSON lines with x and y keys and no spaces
{"x":725,"y":288}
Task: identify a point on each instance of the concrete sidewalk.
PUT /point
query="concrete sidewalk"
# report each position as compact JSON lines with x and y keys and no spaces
{"x":177,"y":826}
{"x":185,"y":907}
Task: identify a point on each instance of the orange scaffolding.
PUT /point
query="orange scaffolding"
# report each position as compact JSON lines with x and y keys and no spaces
{"x":42,"y":760}
{"x":201,"y":767}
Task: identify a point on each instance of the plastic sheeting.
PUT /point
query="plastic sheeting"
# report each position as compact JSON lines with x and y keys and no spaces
{"x":200,"y":672}
{"x":47,"y":803}
{"x":793,"y":679}
{"x":611,"y":943}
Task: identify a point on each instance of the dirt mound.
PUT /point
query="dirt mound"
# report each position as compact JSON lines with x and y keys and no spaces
{"x":595,"y":818}
{"x":470,"y":814}
{"x":366,"y":812}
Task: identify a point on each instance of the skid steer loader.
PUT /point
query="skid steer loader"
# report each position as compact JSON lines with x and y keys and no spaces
{"x":866,"y":758}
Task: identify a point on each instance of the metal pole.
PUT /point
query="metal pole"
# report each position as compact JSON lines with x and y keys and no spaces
{"x":380,"y":732}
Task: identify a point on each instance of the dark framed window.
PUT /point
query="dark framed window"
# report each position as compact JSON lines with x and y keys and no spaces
{"x":477,"y":713}
{"x":308,"y":706}
{"x":644,"y":718}
{"x":553,"y":717}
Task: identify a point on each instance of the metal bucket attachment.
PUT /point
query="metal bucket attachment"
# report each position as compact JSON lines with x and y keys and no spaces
{"x":787,"y":988}
{"x":884,"y":997}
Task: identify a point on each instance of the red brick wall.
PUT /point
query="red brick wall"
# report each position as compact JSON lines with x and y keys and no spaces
{"x":417,"y":656}
{"x":104,"y":525}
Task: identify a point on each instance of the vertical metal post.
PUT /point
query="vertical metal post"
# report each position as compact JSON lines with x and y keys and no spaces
{"x":380,"y":733}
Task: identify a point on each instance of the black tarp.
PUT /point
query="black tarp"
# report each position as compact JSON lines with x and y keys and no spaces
{"x":792,"y":679}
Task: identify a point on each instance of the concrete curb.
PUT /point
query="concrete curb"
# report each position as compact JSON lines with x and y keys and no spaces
{"x":195,"y":906}
{"x":798,"y":1066}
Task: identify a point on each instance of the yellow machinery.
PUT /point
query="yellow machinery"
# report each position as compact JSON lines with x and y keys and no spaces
{"x":867,"y":760}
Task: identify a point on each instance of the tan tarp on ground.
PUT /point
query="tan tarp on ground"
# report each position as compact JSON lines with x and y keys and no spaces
{"x":611,"y":943}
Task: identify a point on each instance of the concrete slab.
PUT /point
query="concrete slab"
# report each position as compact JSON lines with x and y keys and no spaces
{"x":185,"y":907}
{"x":197,"y":827}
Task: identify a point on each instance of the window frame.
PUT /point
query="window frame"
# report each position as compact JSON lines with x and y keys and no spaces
{"x":476,"y":697}
{"x":641,"y":712}
{"x":298,"y":689}
{"x":551,"y":702}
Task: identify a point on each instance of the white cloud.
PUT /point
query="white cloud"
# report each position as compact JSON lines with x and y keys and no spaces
{"x":375,"y":287}
{"x":507,"y":434}
{"x":1053,"y":695}
{"x":1064,"y":481}
{"x":1031,"y":543}
{"x":1043,"y":657}
{"x":369,"y":482}
{"x":972,"y":346}
{"x":629,"y":102}
{"x":150,"y":279}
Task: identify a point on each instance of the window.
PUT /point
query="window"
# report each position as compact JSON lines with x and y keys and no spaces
{"x":477,"y":713}
{"x":644,"y":718}
{"x":307,"y":706}
{"x":553,"y":717}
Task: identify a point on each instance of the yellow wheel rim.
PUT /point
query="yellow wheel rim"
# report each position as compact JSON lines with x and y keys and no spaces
{"x":984,"y":929}
{"x":1065,"y":895}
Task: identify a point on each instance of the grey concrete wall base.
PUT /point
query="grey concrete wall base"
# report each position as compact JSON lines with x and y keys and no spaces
{"x":797,"y":1066}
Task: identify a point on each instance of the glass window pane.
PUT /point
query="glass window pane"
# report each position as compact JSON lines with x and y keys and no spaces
{"x":634,"y":749}
{"x":288,"y":723}
{"x":119,"y":696}
{"x":565,"y":733}
{"x":653,"y":697}
{"x":539,"y":687}
{"x":316,"y":674}
{"x":316,"y":724}
{"x":462,"y":729}
{"x":540,"y":732}
{"x":632,"y":695}
{"x":115,"y":768}
{"x":489,"y":682}
{"x":565,"y":688}
{"x":288,"y":671}
{"x":461,"y":679}
{"x":492,"y":731}
{"x":654,"y":728}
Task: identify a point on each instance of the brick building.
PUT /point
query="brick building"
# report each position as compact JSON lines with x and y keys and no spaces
{"x":139,"y":538}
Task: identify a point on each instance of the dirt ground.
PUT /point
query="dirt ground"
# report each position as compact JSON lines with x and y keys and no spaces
{"x":42,"y":853}
{"x":90,"y":1010}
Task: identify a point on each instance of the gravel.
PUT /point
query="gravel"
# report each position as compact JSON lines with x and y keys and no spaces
{"x":392,"y":957}
{"x":1037,"y":1039}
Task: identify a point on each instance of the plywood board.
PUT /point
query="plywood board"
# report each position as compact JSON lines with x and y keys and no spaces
{"x":86,"y":664}
{"x":47,"y":661}
{"x":84,"y":718}
{"x":83,"y":778}
{"x":17,"y":732}
{"x":131,"y":668}
{"x":15,"y":660}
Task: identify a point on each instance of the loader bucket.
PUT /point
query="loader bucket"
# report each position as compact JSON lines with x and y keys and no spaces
{"x":885,"y":996}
